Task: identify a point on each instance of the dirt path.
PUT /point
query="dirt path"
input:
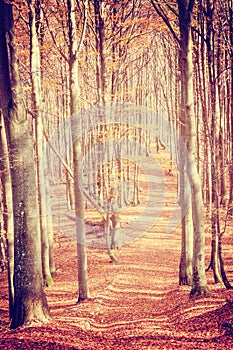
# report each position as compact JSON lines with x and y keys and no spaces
{"x":135,"y":304}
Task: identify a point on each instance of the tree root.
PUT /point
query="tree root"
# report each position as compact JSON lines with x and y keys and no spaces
{"x":199,"y":291}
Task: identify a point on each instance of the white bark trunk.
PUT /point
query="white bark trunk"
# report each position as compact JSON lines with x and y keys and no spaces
{"x":186,"y":67}
{"x":83,"y":292}
{"x":37,"y":107}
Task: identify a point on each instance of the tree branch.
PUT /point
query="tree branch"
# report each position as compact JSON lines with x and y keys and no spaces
{"x":54,"y":40}
{"x":160,"y":11}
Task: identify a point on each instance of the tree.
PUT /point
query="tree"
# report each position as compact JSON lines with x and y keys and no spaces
{"x":212,"y":43}
{"x":188,"y":138}
{"x":39,"y":140}
{"x":185,"y":268}
{"x":7,"y":206}
{"x":199,"y":283}
{"x":30,"y":304}
{"x":83,"y":292}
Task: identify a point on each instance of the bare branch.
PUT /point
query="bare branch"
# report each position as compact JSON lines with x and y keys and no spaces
{"x":160,"y":11}
{"x":54,"y":40}
{"x":85,"y":4}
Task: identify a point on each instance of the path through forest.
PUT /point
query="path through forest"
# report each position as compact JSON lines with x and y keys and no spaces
{"x":135,"y":304}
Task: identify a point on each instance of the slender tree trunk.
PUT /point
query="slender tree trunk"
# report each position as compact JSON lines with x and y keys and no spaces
{"x":100,"y":56}
{"x":37,"y":107}
{"x":230,"y":204}
{"x":186,"y":268}
{"x":199,"y":284}
{"x":83,"y":292}
{"x":8,"y":209}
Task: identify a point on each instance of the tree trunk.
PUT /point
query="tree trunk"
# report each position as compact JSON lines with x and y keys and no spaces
{"x":8,"y":210}
{"x":30,"y":304}
{"x":199,"y":284}
{"x":186,"y":269}
{"x":37,"y":107}
{"x":100,"y":56}
{"x":230,"y":204}
{"x":83,"y":292}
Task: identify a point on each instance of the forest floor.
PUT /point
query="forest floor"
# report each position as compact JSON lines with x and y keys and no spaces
{"x":134,"y":304}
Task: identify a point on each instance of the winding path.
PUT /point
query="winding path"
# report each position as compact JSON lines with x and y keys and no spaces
{"x":137,"y":304}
